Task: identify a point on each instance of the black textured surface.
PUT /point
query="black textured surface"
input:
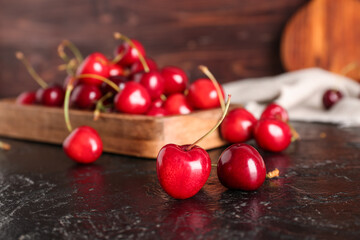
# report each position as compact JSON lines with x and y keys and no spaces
{"x":44,"y":195}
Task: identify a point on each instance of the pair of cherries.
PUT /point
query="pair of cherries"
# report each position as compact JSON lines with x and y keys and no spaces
{"x":272,"y":131}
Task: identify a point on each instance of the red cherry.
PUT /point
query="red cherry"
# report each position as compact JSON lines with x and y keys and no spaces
{"x":152,"y":81}
{"x":176,"y":80}
{"x":131,"y":55}
{"x":203,"y":95}
{"x":331,"y":97}
{"x":241,"y":166}
{"x":275,"y":111}
{"x":177,"y":103}
{"x":138,"y":66}
{"x":272,"y":135}
{"x":52,"y":96}
{"x":133,"y":98}
{"x":238,"y":126}
{"x":83,"y":145}
{"x":182,"y":172}
{"x":115,"y":70}
{"x":26,"y":98}
{"x":157,"y":103}
{"x":84,"y":96}
{"x":96,"y":63}
{"x":156,"y":112}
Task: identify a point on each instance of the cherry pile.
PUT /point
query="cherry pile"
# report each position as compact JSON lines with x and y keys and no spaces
{"x":130,"y":83}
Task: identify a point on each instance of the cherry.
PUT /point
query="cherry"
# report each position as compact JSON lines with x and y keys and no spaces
{"x":115,"y":70}
{"x":26,"y":98}
{"x":84,"y":96}
{"x":83,"y":145}
{"x":203,"y":94}
{"x":133,"y":98}
{"x":152,"y":81}
{"x":129,"y":54}
{"x":97,"y":64}
{"x":52,"y":96}
{"x":158,"y":103}
{"x":139,"y":67}
{"x":156,"y":111}
{"x":241,"y":166}
{"x":177,"y":103}
{"x":183,"y":170}
{"x":238,"y":126}
{"x":275,"y":111}
{"x":175,"y":78}
{"x":330,"y":97}
{"x":272,"y":135}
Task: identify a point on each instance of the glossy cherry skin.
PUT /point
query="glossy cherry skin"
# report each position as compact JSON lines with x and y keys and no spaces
{"x":96,"y":63}
{"x":156,"y":112}
{"x":272,"y":135}
{"x":203,"y":95}
{"x":275,"y":111}
{"x":153,"y":81}
{"x":240,"y":166}
{"x":131,"y":55}
{"x":330,"y":97}
{"x":176,"y":80}
{"x":83,"y":145}
{"x":52,"y":96}
{"x":238,"y":126}
{"x":181,"y":172}
{"x":138,"y":67}
{"x":177,"y":103}
{"x":26,"y":98}
{"x":133,"y":99}
{"x":85,"y":96}
{"x":115,"y":70}
{"x":157,"y":103}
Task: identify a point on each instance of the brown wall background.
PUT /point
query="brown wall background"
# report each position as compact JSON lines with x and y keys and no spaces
{"x":234,"y":38}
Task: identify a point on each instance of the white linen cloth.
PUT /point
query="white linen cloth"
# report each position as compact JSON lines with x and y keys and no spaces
{"x":300,"y":93}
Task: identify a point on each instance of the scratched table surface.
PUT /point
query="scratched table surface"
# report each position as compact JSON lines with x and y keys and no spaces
{"x":44,"y":195}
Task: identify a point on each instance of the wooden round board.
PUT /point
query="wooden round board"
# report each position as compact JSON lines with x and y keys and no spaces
{"x":326,"y":34}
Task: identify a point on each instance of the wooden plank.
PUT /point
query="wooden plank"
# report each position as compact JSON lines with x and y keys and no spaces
{"x":135,"y":135}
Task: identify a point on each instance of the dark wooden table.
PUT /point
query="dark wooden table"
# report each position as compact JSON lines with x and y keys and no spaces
{"x":44,"y":195}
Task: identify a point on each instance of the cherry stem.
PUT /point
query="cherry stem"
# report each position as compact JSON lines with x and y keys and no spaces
{"x":207,"y":72}
{"x":106,"y":80}
{"x":20,"y":56}
{"x":100,"y":105}
{"x":120,"y":36}
{"x":4,"y":145}
{"x":73,"y":49}
{"x":163,"y":97}
{"x":215,"y":127}
{"x":272,"y":174}
{"x":70,"y":87}
{"x":118,"y":57}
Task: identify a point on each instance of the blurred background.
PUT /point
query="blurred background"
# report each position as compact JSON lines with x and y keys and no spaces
{"x":235,"y":39}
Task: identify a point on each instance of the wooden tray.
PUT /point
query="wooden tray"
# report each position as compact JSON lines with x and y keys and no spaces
{"x":135,"y":135}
